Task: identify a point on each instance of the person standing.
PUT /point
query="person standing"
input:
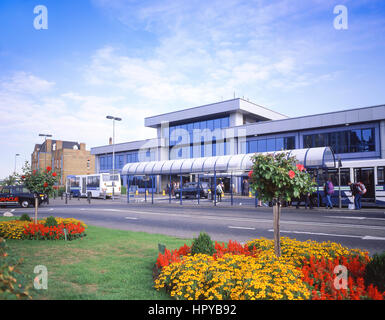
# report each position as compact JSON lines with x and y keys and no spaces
{"x":219,"y":191}
{"x":353,"y":189}
{"x":361,"y":190}
{"x":329,"y":190}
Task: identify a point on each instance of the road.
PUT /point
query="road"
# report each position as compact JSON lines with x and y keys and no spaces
{"x":364,"y":229}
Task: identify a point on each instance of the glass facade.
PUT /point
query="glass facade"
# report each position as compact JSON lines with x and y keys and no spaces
{"x":190,"y":139}
{"x":347,"y":141}
{"x":270,"y":144}
{"x":105,"y":162}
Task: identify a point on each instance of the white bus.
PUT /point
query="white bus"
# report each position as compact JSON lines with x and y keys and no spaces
{"x":370,"y":172}
{"x":97,"y":185}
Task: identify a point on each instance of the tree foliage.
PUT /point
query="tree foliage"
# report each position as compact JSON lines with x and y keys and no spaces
{"x":279,"y":177}
{"x":41,"y":181}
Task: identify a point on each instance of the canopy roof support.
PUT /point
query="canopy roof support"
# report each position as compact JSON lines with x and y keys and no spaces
{"x":322,"y":157}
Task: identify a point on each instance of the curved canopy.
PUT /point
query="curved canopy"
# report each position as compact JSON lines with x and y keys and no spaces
{"x":322,"y":157}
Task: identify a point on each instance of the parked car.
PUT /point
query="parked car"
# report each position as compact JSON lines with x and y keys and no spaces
{"x":19,"y":195}
{"x":192,"y":190}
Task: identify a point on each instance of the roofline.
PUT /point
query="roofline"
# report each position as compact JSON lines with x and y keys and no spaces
{"x":311,"y":115}
{"x":211,"y":104}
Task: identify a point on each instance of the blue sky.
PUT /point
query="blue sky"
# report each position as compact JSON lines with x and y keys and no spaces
{"x":139,"y":58}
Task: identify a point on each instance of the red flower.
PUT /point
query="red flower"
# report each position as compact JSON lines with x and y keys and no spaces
{"x":300,"y":167}
{"x":49,"y":169}
{"x":54,"y":174}
{"x":291,"y":174}
{"x":23,"y":177}
{"x":45,"y":184}
{"x":34,"y":172}
{"x":250,"y":173}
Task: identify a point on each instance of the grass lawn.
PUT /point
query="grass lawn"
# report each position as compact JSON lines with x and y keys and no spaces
{"x":106,"y":264}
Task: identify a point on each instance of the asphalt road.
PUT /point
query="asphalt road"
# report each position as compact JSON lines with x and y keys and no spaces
{"x":363,"y":229}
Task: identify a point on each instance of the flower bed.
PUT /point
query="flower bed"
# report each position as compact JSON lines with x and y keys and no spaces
{"x":66,"y":228}
{"x":252,"y":271}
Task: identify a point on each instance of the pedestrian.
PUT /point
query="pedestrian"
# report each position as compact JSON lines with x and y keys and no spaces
{"x":300,"y":199}
{"x":329,"y":190}
{"x":353,"y":190}
{"x":309,"y":201}
{"x":219,"y":191}
{"x":361,"y":190}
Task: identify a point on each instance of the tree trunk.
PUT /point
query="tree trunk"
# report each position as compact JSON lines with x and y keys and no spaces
{"x":277,"y":214}
{"x":36,"y":206}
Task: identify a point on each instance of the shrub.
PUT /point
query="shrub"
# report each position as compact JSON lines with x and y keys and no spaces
{"x":203,"y":244}
{"x":50,"y":222}
{"x":25,"y":217}
{"x":12,"y":282}
{"x":375,"y":271}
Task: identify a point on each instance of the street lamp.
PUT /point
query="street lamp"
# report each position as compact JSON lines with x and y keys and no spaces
{"x":45,"y":141}
{"x":113,"y":151}
{"x":16,"y":155}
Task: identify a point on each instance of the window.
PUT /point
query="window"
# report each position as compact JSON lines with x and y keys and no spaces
{"x":270,"y":145}
{"x":279,"y":144}
{"x":347,"y":141}
{"x":261,"y":145}
{"x":88,"y":164}
{"x":381,"y":175}
{"x":93,"y":182}
{"x":289,"y":143}
{"x":225,"y":122}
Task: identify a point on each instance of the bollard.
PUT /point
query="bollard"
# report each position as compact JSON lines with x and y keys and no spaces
{"x":66,"y":198}
{"x":89,"y":197}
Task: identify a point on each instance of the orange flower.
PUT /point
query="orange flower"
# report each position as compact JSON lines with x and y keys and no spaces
{"x":291,"y":174}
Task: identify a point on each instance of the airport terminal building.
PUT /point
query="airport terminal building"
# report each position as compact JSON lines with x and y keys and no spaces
{"x":239,"y":127}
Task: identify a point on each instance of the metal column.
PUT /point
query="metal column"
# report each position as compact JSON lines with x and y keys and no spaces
{"x":215,"y":188}
{"x":199,"y":189}
{"x":231,"y":189}
{"x":169,"y":191}
{"x":128,"y":189}
{"x":181,"y":189}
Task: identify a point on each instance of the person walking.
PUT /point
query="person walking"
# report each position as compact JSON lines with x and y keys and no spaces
{"x":219,"y":191}
{"x":329,"y":190}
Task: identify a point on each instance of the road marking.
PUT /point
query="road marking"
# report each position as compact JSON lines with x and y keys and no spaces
{"x":332,"y":235}
{"x":373,"y":238}
{"x":131,"y":218}
{"x":246,"y":228}
{"x":344,"y":217}
{"x":357,"y":218}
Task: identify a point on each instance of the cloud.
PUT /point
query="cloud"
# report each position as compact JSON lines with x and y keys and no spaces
{"x":26,"y":83}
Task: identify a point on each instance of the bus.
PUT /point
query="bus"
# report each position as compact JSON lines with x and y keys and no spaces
{"x":98,"y":185}
{"x":370,"y":172}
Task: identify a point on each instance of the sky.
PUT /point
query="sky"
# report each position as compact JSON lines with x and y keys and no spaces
{"x":137,"y":58}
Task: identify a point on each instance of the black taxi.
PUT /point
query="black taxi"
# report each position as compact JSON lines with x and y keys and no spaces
{"x":19,"y":196}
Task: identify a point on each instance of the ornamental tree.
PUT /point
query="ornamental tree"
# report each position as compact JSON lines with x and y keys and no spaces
{"x":40,"y":181}
{"x":278,"y":178}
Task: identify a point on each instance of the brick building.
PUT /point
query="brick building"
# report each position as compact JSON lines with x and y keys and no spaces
{"x":67,"y":157}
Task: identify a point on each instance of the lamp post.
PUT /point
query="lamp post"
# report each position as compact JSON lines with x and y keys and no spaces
{"x":16,"y":155}
{"x":45,"y":142}
{"x":113,"y":151}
